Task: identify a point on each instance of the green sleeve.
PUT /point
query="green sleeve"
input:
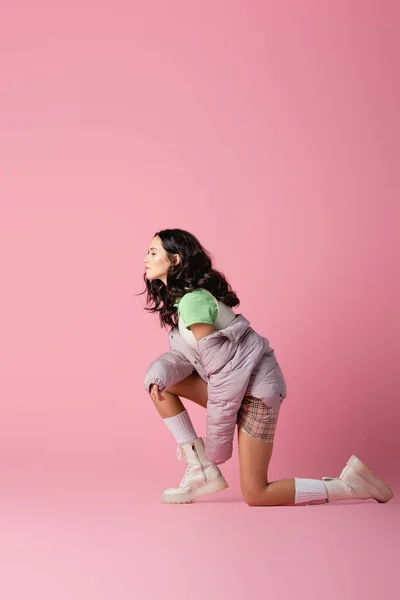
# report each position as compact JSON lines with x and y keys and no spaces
{"x":198,"y":307}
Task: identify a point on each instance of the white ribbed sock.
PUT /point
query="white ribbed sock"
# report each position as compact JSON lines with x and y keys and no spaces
{"x":308,"y":490}
{"x":181,"y":428}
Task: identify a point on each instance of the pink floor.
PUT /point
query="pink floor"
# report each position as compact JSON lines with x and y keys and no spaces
{"x":96,"y":535}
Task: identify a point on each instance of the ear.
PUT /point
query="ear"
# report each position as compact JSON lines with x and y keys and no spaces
{"x":177,"y":259}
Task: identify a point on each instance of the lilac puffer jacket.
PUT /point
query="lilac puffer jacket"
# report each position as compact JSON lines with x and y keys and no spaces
{"x":233,"y":361}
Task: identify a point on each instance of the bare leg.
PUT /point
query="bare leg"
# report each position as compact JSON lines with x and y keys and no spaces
{"x":254,"y":457}
{"x":193,"y":388}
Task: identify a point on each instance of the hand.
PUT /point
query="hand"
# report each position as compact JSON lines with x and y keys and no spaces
{"x":155,"y":393}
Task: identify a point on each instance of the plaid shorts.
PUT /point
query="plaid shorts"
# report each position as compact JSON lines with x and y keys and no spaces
{"x":257,"y":419}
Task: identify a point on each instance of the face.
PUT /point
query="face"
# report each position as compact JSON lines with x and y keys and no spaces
{"x":157,"y":262}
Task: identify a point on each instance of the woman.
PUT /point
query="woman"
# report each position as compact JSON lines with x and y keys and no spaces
{"x":219,"y":362}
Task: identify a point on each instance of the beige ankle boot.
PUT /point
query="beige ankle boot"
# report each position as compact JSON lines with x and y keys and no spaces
{"x":201,"y":476}
{"x":356,"y":482}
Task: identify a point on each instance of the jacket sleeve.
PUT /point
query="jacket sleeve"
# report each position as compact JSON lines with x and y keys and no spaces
{"x":224,"y":400}
{"x":167,"y":370}
{"x":225,"y":393}
{"x":221,"y":421}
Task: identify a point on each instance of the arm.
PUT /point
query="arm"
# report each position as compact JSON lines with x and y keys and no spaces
{"x":200,"y":330}
{"x":199,"y":313}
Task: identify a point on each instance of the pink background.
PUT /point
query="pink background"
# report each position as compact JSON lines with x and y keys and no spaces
{"x":269,"y":130}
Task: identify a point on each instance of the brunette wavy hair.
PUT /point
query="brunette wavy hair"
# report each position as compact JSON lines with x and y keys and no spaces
{"x":194,"y":271}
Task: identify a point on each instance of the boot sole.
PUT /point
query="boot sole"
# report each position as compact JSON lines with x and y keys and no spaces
{"x":363,"y":471}
{"x":211,"y":487}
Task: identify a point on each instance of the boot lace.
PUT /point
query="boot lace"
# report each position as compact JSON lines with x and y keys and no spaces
{"x":180,"y":454}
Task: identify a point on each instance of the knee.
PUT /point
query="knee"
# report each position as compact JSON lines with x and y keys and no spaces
{"x":252,"y":496}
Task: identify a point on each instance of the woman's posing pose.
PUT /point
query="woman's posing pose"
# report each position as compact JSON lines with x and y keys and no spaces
{"x":219,"y":362}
